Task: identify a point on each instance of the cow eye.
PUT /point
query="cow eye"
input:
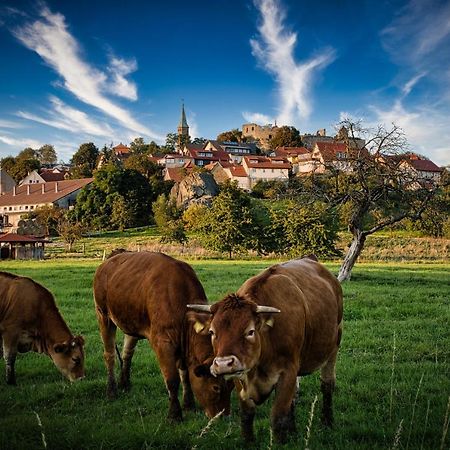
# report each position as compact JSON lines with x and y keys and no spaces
{"x":216,"y":388}
{"x":211,"y":332}
{"x":76,"y":361}
{"x":251,"y":333}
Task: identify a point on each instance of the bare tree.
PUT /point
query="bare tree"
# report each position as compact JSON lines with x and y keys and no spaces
{"x":375,"y":184}
{"x":69,"y":231}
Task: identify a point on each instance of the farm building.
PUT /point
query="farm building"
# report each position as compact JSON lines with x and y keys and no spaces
{"x":15,"y":246}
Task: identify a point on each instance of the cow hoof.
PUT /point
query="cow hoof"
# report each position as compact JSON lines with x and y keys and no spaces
{"x":125,"y":386}
{"x":327,"y":421}
{"x":175,"y":416}
{"x":11,"y":382}
{"x":189,"y":405}
{"x":111,"y":393}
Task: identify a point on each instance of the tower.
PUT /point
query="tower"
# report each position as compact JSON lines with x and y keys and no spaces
{"x":183,"y":130}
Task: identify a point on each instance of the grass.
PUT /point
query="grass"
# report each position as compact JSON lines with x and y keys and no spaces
{"x":392,"y":372}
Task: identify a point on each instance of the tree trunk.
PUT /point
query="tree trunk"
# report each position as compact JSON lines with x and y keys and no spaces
{"x":353,"y":252}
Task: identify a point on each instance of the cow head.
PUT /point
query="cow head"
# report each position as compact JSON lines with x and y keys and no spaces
{"x":236,"y":325}
{"x":213,"y":393}
{"x":68,"y":357}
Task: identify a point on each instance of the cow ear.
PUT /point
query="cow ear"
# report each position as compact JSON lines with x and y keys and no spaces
{"x":60,"y":348}
{"x":200,"y":321}
{"x":202,"y":370}
{"x":79,"y":340}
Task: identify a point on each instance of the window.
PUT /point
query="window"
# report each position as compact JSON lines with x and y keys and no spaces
{"x":31,"y":207}
{"x":26,"y":207}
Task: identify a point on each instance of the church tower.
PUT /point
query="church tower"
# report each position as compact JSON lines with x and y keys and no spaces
{"x":183,"y":130}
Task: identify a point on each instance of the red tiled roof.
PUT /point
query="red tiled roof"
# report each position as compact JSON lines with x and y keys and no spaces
{"x":121,"y":149}
{"x":53,"y":191}
{"x":291,"y":151}
{"x":238,"y":171}
{"x":175,"y":174}
{"x":52,"y":176}
{"x":424,"y":165}
{"x":13,"y":237}
{"x":262,"y":162}
{"x":215,"y":155}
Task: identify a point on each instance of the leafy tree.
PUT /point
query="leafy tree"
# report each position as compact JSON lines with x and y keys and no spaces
{"x":273,"y":189}
{"x":234,"y":135}
{"x":229,"y":223}
{"x":94,"y":205}
{"x":122,"y":214}
{"x":168,"y":219}
{"x":23,"y":167}
{"x":27,"y":153}
{"x":142,"y":164}
{"x":69,"y":231}
{"x":47,"y":154}
{"x":47,"y":217}
{"x":138,"y":146}
{"x":200,"y":141}
{"x":7,"y":163}
{"x":84,"y":160}
{"x":286,"y":137}
{"x":194,"y":217}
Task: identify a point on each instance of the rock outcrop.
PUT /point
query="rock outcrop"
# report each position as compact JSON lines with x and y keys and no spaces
{"x":198,"y":187}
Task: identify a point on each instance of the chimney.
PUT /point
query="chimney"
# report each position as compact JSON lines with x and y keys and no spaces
{"x":14,"y":190}
{"x":56,"y":186}
{"x":28,"y":189}
{"x":43,"y":188}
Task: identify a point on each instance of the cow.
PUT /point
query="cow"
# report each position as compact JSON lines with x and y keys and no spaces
{"x":145,"y":294}
{"x":280,"y":324}
{"x":30,"y":321}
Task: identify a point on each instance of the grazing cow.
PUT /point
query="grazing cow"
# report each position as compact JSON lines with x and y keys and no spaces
{"x":145,"y":294}
{"x":30,"y":320}
{"x":283,"y":323}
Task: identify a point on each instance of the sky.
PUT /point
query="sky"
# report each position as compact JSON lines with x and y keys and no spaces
{"x":110,"y":71}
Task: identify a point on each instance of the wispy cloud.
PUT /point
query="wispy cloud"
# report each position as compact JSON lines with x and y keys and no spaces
{"x":65,"y":117}
{"x":260,"y":119}
{"x":10,"y":124}
{"x":191,"y":118}
{"x":19,"y":142}
{"x":119,"y":68}
{"x":49,"y":37}
{"x":274,"y":49}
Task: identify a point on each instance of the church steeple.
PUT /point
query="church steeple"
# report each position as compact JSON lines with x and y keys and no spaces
{"x":183,"y":130}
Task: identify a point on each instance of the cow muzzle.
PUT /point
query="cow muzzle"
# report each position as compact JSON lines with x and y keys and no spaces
{"x":230,"y":366}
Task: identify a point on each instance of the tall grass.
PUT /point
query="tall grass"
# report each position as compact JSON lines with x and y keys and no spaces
{"x":379,"y":386}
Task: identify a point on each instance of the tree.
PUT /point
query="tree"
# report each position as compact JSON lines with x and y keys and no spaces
{"x":286,"y":137}
{"x":375,"y":189}
{"x":27,"y":153}
{"x":69,"y":231}
{"x":200,"y":141}
{"x":122,"y":214}
{"x":234,"y":135}
{"x":23,"y":167}
{"x":138,"y":146}
{"x":84,"y":160}
{"x":168,"y":219}
{"x":47,"y":154}
{"x":229,"y":224}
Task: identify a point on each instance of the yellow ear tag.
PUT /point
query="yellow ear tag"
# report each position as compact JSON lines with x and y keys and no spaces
{"x":198,"y":327}
{"x":270,"y":322}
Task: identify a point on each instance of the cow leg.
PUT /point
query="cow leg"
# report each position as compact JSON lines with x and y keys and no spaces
{"x":188,"y":396}
{"x":247,"y":416}
{"x":327,"y":385}
{"x":283,"y":411}
{"x":108,"y":332}
{"x":129,"y":345}
{"x":9,"y":355}
{"x":1,"y":346}
{"x":166,"y":354}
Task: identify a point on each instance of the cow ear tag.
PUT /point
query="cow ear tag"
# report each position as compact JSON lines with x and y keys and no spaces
{"x":198,"y":327}
{"x":270,"y":322}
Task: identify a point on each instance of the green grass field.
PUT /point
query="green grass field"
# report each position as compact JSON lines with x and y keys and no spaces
{"x":393,"y":373}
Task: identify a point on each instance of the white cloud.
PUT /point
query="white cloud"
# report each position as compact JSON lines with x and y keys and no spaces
{"x":50,"y":39}
{"x":425,"y":128}
{"x":10,"y":124}
{"x":70,"y":119}
{"x":19,"y":142}
{"x":120,"y":86}
{"x":274,"y":49}
{"x":191,"y":119}
{"x":260,"y":119}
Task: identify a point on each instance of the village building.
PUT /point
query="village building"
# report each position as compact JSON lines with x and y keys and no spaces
{"x":45,"y":175}
{"x":15,"y":246}
{"x":263,"y":168}
{"x":29,"y":197}
{"x":235,"y":150}
{"x":183,"y":131}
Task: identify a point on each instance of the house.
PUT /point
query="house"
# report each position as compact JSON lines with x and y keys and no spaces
{"x":28,"y":197}
{"x":263,"y":168}
{"x":223,"y":171}
{"x":420,"y":168}
{"x":202,"y":157}
{"x":7,"y":182}
{"x":15,"y":246}
{"x":173,"y":160}
{"x":293,"y":155}
{"x":121,"y":152}
{"x":235,"y":150}
{"x":45,"y":175}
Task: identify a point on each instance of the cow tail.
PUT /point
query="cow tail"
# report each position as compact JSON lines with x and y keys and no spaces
{"x":119,"y":357}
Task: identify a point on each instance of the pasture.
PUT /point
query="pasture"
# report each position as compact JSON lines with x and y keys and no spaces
{"x":393,"y":372}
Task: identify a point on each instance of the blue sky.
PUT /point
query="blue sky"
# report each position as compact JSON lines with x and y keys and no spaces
{"x":110,"y":71}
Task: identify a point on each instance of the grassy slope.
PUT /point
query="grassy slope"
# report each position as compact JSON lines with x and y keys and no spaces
{"x":393,"y":369}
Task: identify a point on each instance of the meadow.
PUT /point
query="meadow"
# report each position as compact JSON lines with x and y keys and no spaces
{"x":393,"y":372}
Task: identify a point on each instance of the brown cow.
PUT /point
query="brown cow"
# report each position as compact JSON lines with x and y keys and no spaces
{"x":283,"y":323}
{"x":145,"y":294}
{"x":30,"y":320}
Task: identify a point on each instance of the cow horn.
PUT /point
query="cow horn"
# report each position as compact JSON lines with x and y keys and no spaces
{"x":200,"y":308}
{"x":267,"y":309}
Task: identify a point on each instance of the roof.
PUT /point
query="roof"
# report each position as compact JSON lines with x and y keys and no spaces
{"x":424,"y":165}
{"x":53,"y":191}
{"x":238,"y":171}
{"x":183,"y":122}
{"x":215,"y":155}
{"x":48,"y":175}
{"x":329,"y":150}
{"x":291,"y":151}
{"x":121,"y":149}
{"x":13,"y":237}
{"x":175,"y":173}
{"x":263,"y":162}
